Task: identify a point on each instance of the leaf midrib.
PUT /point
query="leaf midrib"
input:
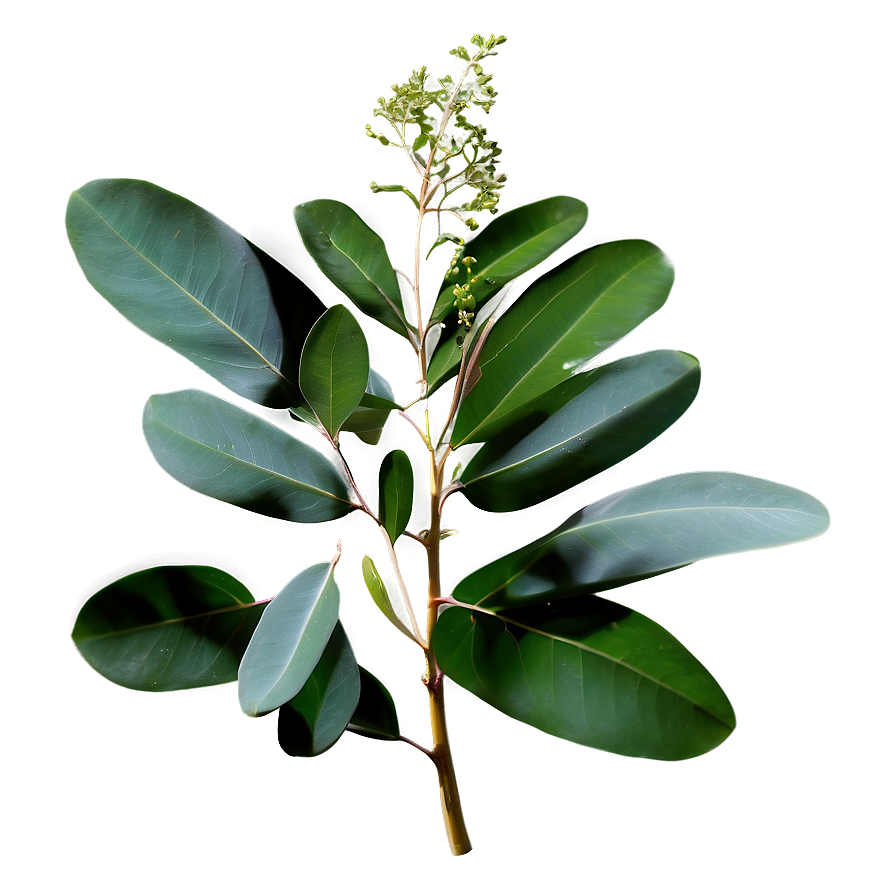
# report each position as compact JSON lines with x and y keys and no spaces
{"x":174,"y":621}
{"x":245,"y":463}
{"x":588,"y":649}
{"x":635,"y":405}
{"x":265,"y":362}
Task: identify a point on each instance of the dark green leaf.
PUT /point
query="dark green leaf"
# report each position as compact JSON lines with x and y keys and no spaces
{"x":396,"y":493}
{"x":224,"y":452}
{"x":645,"y":531}
{"x":168,"y":628}
{"x":561,"y":322}
{"x":590,"y":671}
{"x":580,"y":428}
{"x":375,"y":715}
{"x":289,"y":640}
{"x":335,"y":368}
{"x":354,"y":259}
{"x":188,"y":280}
{"x":316,"y":717}
{"x":515,"y":242}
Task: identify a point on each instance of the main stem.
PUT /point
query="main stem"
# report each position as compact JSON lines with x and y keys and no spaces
{"x":455,"y":828}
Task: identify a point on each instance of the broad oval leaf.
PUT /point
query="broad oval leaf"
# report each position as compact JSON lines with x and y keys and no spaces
{"x":227,"y":453}
{"x":396,"y":493}
{"x":185,"y":278}
{"x":515,"y":242}
{"x":590,"y":671}
{"x":375,"y":714}
{"x":580,"y":428}
{"x":645,"y":531}
{"x":315,"y":718}
{"x":289,"y":640}
{"x":561,"y":321}
{"x":335,"y":367}
{"x":354,"y":259}
{"x":168,"y":628}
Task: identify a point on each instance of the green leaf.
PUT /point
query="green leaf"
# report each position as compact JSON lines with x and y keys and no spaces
{"x":188,"y":280}
{"x":396,"y":493}
{"x":316,"y":717}
{"x":379,"y":395}
{"x":583,"y":426}
{"x":445,"y":238}
{"x":167,"y":628}
{"x":354,"y":258}
{"x":515,"y":242}
{"x":335,"y":367}
{"x":445,"y":361}
{"x":590,"y":671}
{"x":289,"y":640}
{"x":222,"y":451}
{"x":645,"y":531}
{"x":561,"y":322}
{"x":380,"y":595}
{"x":375,"y":715}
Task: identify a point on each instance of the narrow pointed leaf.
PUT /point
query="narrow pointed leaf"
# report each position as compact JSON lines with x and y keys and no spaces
{"x":515,"y":242}
{"x":590,"y":671}
{"x":380,"y":595}
{"x":561,"y":321}
{"x":289,"y":640}
{"x":222,"y":451}
{"x":442,"y":239}
{"x":188,"y":280}
{"x":375,"y":714}
{"x":167,"y":628}
{"x":645,"y":531}
{"x":335,"y":367}
{"x":445,"y":359}
{"x":354,"y":258}
{"x":580,"y":428}
{"x":396,"y":493}
{"x":315,"y":718}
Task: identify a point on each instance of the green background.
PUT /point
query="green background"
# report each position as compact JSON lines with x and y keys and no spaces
{"x":752,"y":145}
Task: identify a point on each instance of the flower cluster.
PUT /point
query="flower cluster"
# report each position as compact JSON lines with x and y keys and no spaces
{"x":430,"y":119}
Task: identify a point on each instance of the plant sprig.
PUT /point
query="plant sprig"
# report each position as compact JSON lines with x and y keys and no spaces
{"x":529,"y":632}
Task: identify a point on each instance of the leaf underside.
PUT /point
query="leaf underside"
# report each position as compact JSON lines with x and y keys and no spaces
{"x":222,"y":451}
{"x":645,"y":531}
{"x":289,"y":640}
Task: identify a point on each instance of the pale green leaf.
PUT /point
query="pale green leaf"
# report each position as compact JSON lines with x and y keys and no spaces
{"x":224,"y":452}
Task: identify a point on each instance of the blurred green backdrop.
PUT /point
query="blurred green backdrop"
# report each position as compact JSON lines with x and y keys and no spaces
{"x":754,"y":142}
